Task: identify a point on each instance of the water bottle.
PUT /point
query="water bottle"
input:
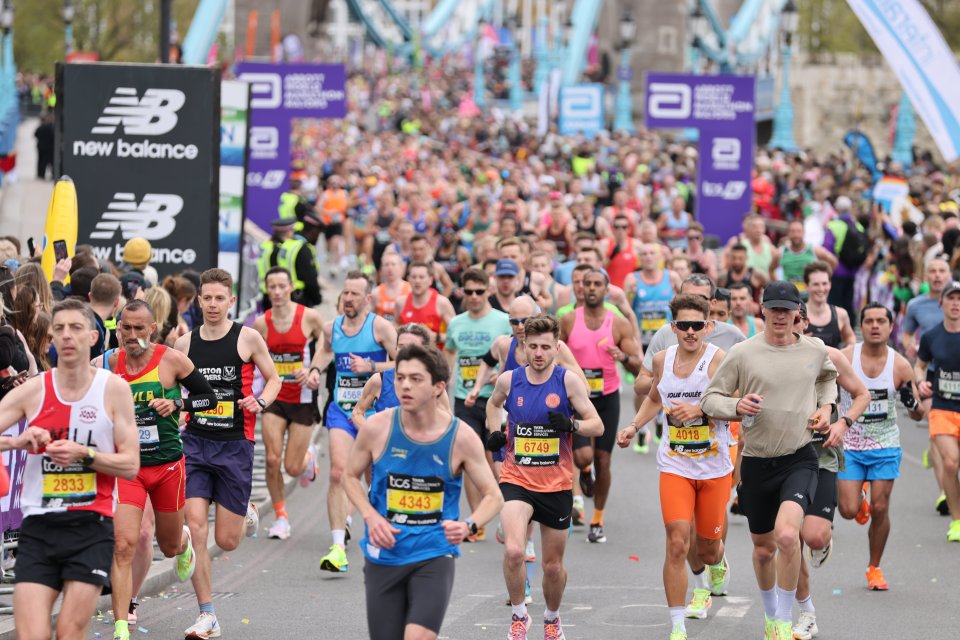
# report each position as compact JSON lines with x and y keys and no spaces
{"x":747,"y":421}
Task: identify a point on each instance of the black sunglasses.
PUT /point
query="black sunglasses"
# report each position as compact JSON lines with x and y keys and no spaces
{"x":474,"y":292}
{"x":517,"y":321}
{"x":686,"y":325}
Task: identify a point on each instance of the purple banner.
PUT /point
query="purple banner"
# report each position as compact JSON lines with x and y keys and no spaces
{"x":278,"y":94}
{"x":16,"y":462}
{"x":722,"y":109}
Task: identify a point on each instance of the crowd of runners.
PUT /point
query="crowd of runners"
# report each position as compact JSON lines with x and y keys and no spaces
{"x":500,"y":291}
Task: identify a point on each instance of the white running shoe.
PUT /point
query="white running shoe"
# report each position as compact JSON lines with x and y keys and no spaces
{"x":205,"y":627}
{"x":819,"y":557}
{"x":253,"y":520}
{"x":531,"y":552}
{"x":280,"y":529}
{"x":806,"y":627}
{"x":313,"y":469}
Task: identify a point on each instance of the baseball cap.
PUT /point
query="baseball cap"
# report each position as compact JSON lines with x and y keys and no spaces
{"x":843,"y":203}
{"x":781,"y":295}
{"x":137,"y":251}
{"x":281,"y":223}
{"x":507,"y":268}
{"x":952,"y":287}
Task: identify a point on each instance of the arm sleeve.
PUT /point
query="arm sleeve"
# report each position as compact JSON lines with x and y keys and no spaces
{"x":490,"y":360}
{"x":202,"y":395}
{"x":827,"y":383}
{"x":717,"y":401}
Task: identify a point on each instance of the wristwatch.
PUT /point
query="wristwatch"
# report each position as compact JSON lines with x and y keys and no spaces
{"x":88,"y":459}
{"x":178,"y":403}
{"x":848,"y":420}
{"x":262,"y":403}
{"x":472,"y":526}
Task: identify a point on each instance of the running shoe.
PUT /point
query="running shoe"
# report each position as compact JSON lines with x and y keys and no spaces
{"x":552,"y":630}
{"x":312,"y":471}
{"x":121,"y":634}
{"x":719,"y":577}
{"x":782,"y":630}
{"x":941,"y":505}
{"x":186,"y":561}
{"x":527,"y":596}
{"x":335,"y":561}
{"x":735,"y":506}
{"x":767,"y":627}
{"x":806,"y":627}
{"x":518,"y":628}
{"x":479,"y":537}
{"x":819,"y":557}
{"x":700,"y":604}
{"x":531,"y":552}
{"x":579,"y":516}
{"x":499,"y":534}
{"x":678,"y":634}
{"x":205,"y":627}
{"x":596,"y":534}
{"x":641,"y":446}
{"x":953,"y":533}
{"x":863,"y":515}
{"x":280,"y":529}
{"x":346,"y":532}
{"x":875,"y":580}
{"x":586,"y":481}
{"x":253,"y":520}
{"x":926,"y":459}
{"x":132,"y":612}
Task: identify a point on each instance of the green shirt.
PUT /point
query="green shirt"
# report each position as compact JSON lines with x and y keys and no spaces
{"x":471,"y":339}
{"x":609,"y":306}
{"x":159,"y":436}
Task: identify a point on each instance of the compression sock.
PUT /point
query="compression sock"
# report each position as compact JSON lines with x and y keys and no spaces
{"x":280,"y":508}
{"x":785,"y":603}
{"x":806,"y":604}
{"x":769,"y":597}
{"x":597,"y":517}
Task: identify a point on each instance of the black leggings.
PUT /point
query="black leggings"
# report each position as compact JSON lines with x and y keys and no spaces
{"x":415,"y":593}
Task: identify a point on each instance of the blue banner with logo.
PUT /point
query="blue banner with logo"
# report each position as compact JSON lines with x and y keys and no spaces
{"x":722,"y":108}
{"x":581,"y":110}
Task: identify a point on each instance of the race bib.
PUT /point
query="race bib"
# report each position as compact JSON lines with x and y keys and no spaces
{"x":223,"y":409}
{"x":536,"y":445}
{"x":72,"y":486}
{"x":147,"y":428}
{"x":287,"y":364}
{"x":594,"y":381}
{"x":469,"y":367}
{"x":689,"y":439}
{"x":349,"y":389}
{"x":878,"y":408}
{"x":949,"y":385}
{"x":651,"y":321}
{"x":414,"y":500}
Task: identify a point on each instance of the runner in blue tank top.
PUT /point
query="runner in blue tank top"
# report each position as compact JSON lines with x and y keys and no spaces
{"x":418,"y":456}
{"x":358,"y":342}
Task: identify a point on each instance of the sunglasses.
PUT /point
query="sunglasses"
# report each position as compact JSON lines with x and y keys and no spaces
{"x":686,"y":325}
{"x":517,"y":321}
{"x":474,"y":292}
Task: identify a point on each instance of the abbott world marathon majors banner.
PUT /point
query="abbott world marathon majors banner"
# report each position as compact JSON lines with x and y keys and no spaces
{"x":142,"y":144}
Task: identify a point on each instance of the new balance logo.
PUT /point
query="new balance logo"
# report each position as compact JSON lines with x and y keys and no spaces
{"x":152,"y":218}
{"x":152,"y":115}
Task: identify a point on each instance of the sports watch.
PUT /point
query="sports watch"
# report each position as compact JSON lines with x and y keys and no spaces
{"x":472,"y":526}
{"x":262,"y":403}
{"x":177,"y":403}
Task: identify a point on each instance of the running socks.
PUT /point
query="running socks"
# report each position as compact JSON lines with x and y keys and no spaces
{"x":700,"y":578}
{"x":280,"y":509}
{"x":769,"y":597}
{"x":785,"y":603}
{"x":676,"y":617}
{"x":207,"y":607}
{"x":550,"y":616}
{"x":519,"y":610}
{"x":339,"y":537}
{"x":806,"y":604}
{"x":597,"y":517}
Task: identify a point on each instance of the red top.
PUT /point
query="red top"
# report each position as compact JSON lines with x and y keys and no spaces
{"x":290,"y":352}
{"x":621,"y":265}
{"x":427,"y":315}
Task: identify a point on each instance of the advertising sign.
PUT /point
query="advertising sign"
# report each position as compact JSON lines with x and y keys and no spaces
{"x":234,"y":112}
{"x":278,"y":94}
{"x":722,"y":108}
{"x":15,"y":460}
{"x":142,"y":144}
{"x":581,"y":110}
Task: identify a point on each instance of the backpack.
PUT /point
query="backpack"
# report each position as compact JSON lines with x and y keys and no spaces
{"x":855,"y":246}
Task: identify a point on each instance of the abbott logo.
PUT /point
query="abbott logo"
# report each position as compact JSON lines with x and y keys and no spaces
{"x":264,"y":143}
{"x":669,"y":101}
{"x":152,"y":115}
{"x":582,"y":103}
{"x":725,"y":153}
{"x":152,"y":218}
{"x":266,"y":90}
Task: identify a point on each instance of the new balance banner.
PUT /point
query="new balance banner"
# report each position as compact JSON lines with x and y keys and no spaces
{"x":278,"y":94}
{"x":928,"y":71}
{"x":722,"y":108}
{"x":142,"y":144}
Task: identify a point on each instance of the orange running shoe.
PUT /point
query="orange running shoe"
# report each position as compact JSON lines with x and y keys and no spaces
{"x":863,"y":516}
{"x":875,"y":579}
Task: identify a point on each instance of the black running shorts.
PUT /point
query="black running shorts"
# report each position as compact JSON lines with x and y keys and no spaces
{"x":608,"y":407}
{"x":57,"y":547}
{"x":415,"y":593}
{"x":475,"y":416}
{"x":302,"y":413}
{"x":551,"y":509}
{"x":765,"y":483}
{"x":824,"y":504}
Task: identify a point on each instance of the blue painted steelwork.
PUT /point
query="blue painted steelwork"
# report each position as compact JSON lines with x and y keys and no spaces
{"x":203,"y":31}
{"x":9,"y":109}
{"x":906,"y":130}
{"x":584,"y":18}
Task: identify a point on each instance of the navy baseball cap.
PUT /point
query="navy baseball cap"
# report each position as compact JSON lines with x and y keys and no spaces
{"x":781,"y":294}
{"x":507,"y":268}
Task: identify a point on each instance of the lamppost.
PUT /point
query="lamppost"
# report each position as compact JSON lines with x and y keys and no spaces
{"x":698,"y":30}
{"x":6,"y":17}
{"x":513,"y":71}
{"x":68,"y":14}
{"x":624,"y":106}
{"x":782,"y":137}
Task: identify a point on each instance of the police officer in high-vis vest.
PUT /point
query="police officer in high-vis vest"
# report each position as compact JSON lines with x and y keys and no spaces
{"x":293,"y":206}
{"x":294,"y":254}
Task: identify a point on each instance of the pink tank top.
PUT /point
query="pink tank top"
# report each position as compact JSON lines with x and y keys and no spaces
{"x":589,"y":347}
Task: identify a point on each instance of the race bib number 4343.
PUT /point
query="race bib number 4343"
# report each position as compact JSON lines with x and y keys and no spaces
{"x":414,"y":500}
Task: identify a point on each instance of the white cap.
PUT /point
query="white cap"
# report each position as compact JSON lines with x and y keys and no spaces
{"x":843,"y":204}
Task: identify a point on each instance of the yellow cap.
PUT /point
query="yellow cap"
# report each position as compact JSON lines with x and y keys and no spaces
{"x":137,"y":252}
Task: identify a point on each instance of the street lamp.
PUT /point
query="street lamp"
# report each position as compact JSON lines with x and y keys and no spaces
{"x":6,"y":17}
{"x":698,"y":31}
{"x":783,"y":115}
{"x":69,"y":11}
{"x":624,"y":105}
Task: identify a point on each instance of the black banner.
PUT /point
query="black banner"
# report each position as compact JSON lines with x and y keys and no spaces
{"x":142,"y":144}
